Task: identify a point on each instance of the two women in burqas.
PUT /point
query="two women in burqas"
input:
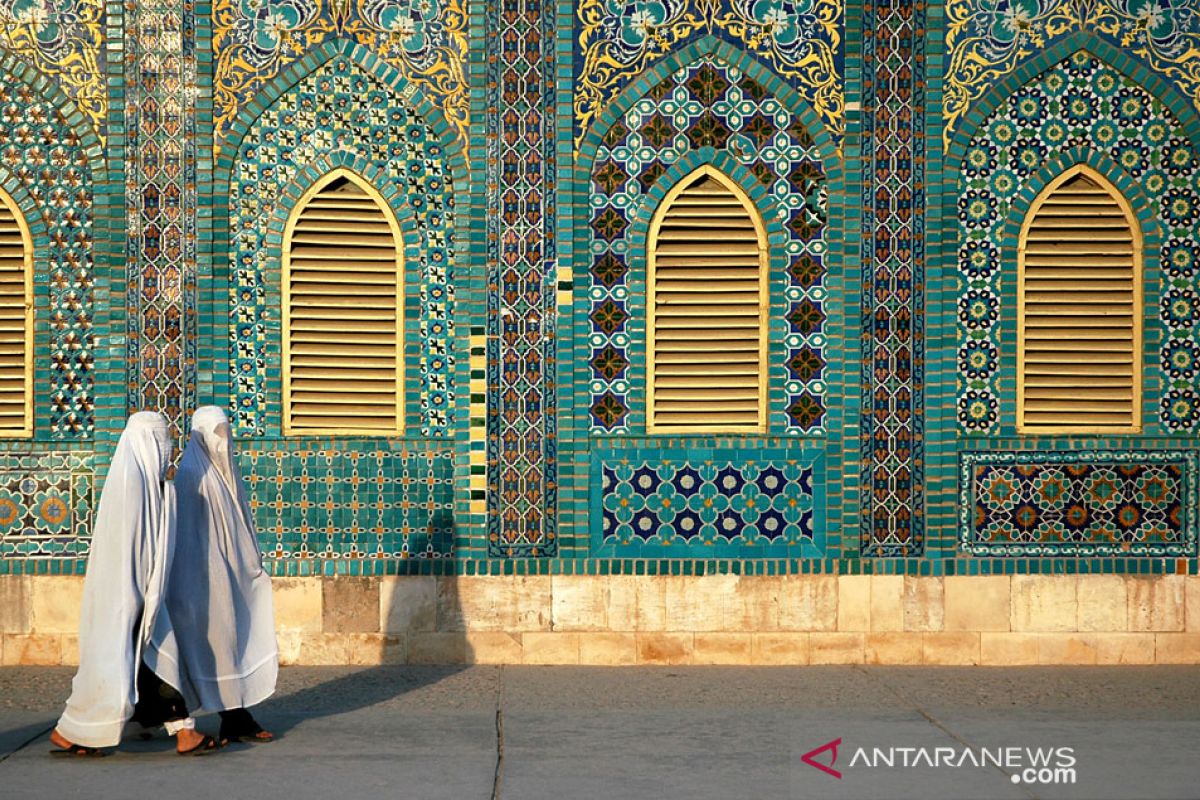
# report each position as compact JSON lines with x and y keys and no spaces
{"x":176,"y":606}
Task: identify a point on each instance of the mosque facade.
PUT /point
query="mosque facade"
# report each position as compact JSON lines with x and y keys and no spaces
{"x":660,"y":331}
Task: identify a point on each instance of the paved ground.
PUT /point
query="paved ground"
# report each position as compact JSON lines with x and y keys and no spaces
{"x":528,"y":733}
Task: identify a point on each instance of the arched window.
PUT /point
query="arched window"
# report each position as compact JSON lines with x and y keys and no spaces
{"x":16,"y":321}
{"x":343,"y":312}
{"x":707,"y":310}
{"x":1079,"y":295}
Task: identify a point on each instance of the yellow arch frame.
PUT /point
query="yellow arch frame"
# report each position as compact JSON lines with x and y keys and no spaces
{"x":25,"y":431}
{"x":286,"y":315}
{"x":1138,"y":301}
{"x":764,"y":301}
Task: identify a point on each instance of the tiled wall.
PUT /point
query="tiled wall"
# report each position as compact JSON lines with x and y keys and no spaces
{"x":157,"y":150}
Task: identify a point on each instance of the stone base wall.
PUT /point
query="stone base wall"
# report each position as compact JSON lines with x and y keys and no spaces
{"x":723,"y":619}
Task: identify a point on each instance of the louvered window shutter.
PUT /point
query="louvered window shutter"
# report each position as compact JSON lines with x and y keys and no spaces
{"x":342,"y":317}
{"x":707,"y":309}
{"x":1079,"y":330}
{"x":16,"y":322}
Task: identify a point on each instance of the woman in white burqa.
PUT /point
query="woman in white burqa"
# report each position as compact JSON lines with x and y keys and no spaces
{"x":122,"y":594}
{"x":220,"y":650}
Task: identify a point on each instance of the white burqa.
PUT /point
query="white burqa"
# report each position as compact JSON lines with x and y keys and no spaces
{"x":219,"y":650}
{"x":123,"y":589}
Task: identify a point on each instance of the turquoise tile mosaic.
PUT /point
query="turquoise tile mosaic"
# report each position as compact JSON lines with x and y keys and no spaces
{"x":1080,"y":110}
{"x":893,"y":280}
{"x":345,"y":502}
{"x":706,"y":112}
{"x":524,"y":144}
{"x":339,"y":115}
{"x":655,"y":502}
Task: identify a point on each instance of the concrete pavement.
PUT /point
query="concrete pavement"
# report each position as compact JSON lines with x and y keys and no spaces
{"x":534,"y":733}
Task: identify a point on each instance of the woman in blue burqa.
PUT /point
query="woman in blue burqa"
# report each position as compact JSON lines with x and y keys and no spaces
{"x":219,"y":649}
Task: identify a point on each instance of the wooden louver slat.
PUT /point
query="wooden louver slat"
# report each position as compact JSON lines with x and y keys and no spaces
{"x":707,"y":309}
{"x":16,"y":321}
{"x":343,"y":302}
{"x":1079,"y":310}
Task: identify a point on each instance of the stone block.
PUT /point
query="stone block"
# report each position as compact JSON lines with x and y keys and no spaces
{"x":1008,"y":649}
{"x":854,"y":603}
{"x":651,"y":605}
{"x":976,"y":602}
{"x":835,"y":648}
{"x":1191,"y":593}
{"x":950,"y":648}
{"x":54,"y":602}
{"x":782,"y":649}
{"x":887,"y":603}
{"x":1156,"y":603}
{"x":408,"y":603}
{"x":437,"y":648}
{"x":1124,"y":648}
{"x":288,"y":642}
{"x":1044,"y":603}
{"x":1177,"y":648}
{"x":493,"y":647}
{"x":893,"y":647}
{"x":722,"y":648}
{"x":70,"y":650}
{"x":809,"y":603}
{"x":350,"y":605}
{"x":691,"y":603}
{"x":748,"y":602}
{"x":298,"y":604}
{"x":1103,"y":603}
{"x":1067,"y":648}
{"x":324,"y":649}
{"x":665,"y":648}
{"x":579,"y":603}
{"x":923,"y":604}
{"x":550,"y":648}
{"x":32,"y":650}
{"x":494,"y":603}
{"x":608,"y":649}
{"x":622,"y":602}
{"x":365,"y":649}
{"x":15,"y":614}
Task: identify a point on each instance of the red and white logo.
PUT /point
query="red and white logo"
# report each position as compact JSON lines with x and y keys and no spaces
{"x":832,"y":747}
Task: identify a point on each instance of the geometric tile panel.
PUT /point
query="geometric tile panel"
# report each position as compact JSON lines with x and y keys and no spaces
{"x":1079,"y":504}
{"x":359,"y":501}
{"x":986,"y":40}
{"x":803,"y":43}
{"x":338,"y":108}
{"x":893,"y":280}
{"x":1080,"y":101}
{"x":47,"y":156}
{"x":674,"y":504}
{"x":707,"y":103}
{"x":45,"y":505}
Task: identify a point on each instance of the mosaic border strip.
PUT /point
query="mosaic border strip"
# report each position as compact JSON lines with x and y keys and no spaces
{"x":893,"y":281}
{"x":521,"y":264}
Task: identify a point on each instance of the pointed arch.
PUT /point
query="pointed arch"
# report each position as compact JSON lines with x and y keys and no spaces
{"x":16,"y":321}
{"x":342,"y":311}
{"x":1079,"y":309}
{"x":707,"y":309}
{"x":731,"y":54}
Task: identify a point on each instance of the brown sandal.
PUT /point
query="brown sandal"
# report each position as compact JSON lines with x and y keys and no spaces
{"x":207,"y":746}
{"x":78,"y":751}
